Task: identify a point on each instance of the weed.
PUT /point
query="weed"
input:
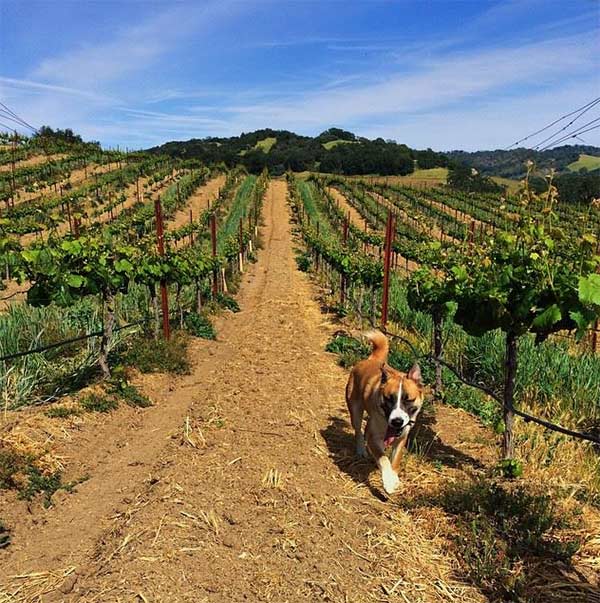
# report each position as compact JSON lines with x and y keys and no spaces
{"x":4,"y":536}
{"x":132,"y":396}
{"x":63,"y":412}
{"x":303,"y":261}
{"x":227,"y":302}
{"x":45,"y":485}
{"x":97,"y":403}
{"x":500,"y":529}
{"x":200,"y":326}
{"x":151,"y":355}
{"x":510,"y":468}
{"x":38,"y":483}
{"x":349,"y":349}
{"x":11,"y":464}
{"x":120,"y":387}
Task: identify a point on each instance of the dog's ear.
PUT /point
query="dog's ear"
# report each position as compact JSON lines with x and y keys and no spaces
{"x":384,"y":375}
{"x":415,"y":373}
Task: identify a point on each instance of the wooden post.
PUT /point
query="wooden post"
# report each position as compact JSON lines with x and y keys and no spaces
{"x":317,"y":258}
{"x":191,"y":228}
{"x":163,"y":285}
{"x":69,"y":215}
{"x":472,"y":233}
{"x":241,"y":241}
{"x":342,"y":277}
{"x":213,"y":236}
{"x":389,"y":235}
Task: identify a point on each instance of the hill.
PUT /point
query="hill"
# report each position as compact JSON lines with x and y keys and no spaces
{"x":335,"y":150}
{"x":588,"y":162}
{"x":511,"y":163}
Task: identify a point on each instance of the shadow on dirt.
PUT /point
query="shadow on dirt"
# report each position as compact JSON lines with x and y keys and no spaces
{"x":425,"y":441}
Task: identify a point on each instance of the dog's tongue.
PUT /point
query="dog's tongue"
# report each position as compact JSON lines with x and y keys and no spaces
{"x":390,"y":436}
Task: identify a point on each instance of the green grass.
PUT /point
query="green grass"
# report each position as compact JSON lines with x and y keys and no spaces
{"x":589,"y":162}
{"x":266,"y":144}
{"x":334,"y":143}
{"x":503,"y":533}
{"x":151,"y":355}
{"x":512,"y":186}
{"x":63,"y":412}
{"x":97,"y":403}
{"x":200,"y":326}
{"x":437,"y":173}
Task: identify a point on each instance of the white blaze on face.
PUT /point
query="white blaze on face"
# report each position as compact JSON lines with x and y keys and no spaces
{"x":398,"y":413}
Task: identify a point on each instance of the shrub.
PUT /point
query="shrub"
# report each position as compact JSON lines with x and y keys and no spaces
{"x":227,"y":302}
{"x":151,"y":355}
{"x":304,"y":261}
{"x":200,"y":326}
{"x":349,"y":349}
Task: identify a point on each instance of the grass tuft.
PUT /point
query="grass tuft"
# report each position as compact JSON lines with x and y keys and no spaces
{"x":228,"y":302}
{"x":501,"y":530}
{"x":151,"y":355}
{"x":98,"y":403}
{"x":63,"y":412}
{"x":200,"y":326}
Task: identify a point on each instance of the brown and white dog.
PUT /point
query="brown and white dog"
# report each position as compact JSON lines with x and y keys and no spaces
{"x":392,"y":400}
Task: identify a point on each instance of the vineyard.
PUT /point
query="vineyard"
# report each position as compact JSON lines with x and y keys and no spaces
{"x":168,"y":382}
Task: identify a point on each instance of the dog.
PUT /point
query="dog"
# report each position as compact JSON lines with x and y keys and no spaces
{"x":392,"y":401}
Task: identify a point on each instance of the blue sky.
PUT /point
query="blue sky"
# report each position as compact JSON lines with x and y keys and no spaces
{"x":444,"y":74}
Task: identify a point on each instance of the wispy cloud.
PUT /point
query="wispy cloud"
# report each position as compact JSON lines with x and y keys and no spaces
{"x":437,"y":83}
{"x":8,"y":83}
{"x":134,"y":48}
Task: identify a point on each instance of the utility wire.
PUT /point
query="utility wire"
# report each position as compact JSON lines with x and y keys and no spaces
{"x":15,"y":116}
{"x":573,"y":134}
{"x":585,"y":107}
{"x":564,"y":127}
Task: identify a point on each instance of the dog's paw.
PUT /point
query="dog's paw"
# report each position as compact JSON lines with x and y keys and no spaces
{"x":390,"y":482}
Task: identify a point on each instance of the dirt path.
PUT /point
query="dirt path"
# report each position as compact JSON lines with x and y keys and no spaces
{"x":355,"y":217}
{"x":259,"y":497}
{"x":198,"y":202}
{"x":76,"y":177}
{"x":30,"y":161}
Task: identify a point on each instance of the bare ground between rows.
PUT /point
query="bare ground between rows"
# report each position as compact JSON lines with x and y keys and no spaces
{"x":260,"y":499}
{"x":31,"y":161}
{"x":358,"y":221}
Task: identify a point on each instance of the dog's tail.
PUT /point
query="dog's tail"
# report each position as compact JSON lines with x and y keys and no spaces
{"x":380,"y":344}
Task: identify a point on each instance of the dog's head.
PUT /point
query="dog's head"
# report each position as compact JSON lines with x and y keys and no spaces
{"x":401,"y":397}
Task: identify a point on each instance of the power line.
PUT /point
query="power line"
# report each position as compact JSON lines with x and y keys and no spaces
{"x":565,"y":127}
{"x":16,"y":117}
{"x":585,"y":107}
{"x":574,"y":134}
{"x":19,"y":122}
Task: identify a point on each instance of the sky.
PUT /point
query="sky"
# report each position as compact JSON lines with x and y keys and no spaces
{"x":445,"y":74}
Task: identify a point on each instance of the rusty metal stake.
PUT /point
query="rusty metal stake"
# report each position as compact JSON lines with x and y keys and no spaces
{"x":164,"y":295}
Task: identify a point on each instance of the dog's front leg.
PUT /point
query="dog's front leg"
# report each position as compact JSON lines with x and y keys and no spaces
{"x":398,"y":452}
{"x":388,"y":475}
